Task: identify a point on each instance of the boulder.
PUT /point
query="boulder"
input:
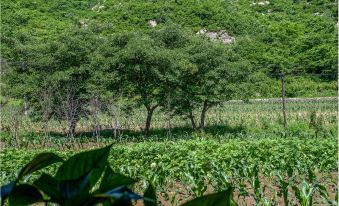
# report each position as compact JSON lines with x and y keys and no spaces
{"x":152,"y":23}
{"x":260,"y":3}
{"x":221,"y":35}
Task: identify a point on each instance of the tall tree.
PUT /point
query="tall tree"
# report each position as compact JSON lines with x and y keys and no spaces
{"x":208,"y":76}
{"x":143,"y":68}
{"x":62,"y":64}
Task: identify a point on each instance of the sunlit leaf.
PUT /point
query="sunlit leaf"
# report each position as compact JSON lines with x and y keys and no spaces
{"x":84,"y":162}
{"x":40,"y":161}
{"x":112,"y":180}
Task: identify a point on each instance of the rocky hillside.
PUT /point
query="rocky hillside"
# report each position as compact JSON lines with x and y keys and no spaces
{"x":297,"y":36}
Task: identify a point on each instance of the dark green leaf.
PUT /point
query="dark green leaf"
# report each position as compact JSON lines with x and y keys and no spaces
{"x":51,"y":187}
{"x":64,"y":191}
{"x":112,"y":180}
{"x":150,"y":197}
{"x":70,"y":188}
{"x":80,"y":164}
{"x":223,"y":198}
{"x":40,"y":161}
{"x":311,"y":176}
{"x":24,"y":194}
{"x":297,"y":193}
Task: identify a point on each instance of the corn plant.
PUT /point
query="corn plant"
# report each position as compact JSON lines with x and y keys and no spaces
{"x":86,"y":179}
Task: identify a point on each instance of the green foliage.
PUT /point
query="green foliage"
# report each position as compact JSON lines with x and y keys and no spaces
{"x":40,"y":161}
{"x":87,"y":162}
{"x":104,"y":50}
{"x":66,"y":55}
{"x":150,"y":196}
{"x":79,"y":187}
{"x":193,"y":165}
{"x":294,"y":36}
{"x":218,"y":199}
{"x":24,"y":194}
{"x":71,"y":188}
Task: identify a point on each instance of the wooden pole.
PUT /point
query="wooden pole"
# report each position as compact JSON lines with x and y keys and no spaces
{"x":23,"y":67}
{"x":283,"y":98}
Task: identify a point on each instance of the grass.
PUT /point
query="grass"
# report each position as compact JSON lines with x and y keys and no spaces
{"x":233,"y":119}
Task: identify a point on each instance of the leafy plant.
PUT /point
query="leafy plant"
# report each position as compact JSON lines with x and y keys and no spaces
{"x":85,"y":179}
{"x":305,"y":194}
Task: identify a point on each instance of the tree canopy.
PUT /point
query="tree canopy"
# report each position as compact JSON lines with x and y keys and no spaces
{"x":65,"y":56}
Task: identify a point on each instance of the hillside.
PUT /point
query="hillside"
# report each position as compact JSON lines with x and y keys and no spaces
{"x":290,"y":36}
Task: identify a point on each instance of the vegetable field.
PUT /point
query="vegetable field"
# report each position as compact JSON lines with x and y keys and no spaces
{"x":244,"y":146}
{"x":266,"y":171}
{"x":157,"y":102}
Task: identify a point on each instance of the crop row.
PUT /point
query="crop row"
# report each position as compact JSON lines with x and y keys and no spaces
{"x":186,"y":169}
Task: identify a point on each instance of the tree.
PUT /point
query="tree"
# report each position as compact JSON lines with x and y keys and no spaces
{"x":62,"y":64}
{"x":72,"y":75}
{"x":143,"y":68}
{"x":208,"y":77}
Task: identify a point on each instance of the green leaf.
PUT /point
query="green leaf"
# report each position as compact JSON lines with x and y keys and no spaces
{"x":311,"y":176}
{"x":223,"y":198}
{"x":150,"y":197}
{"x":63,"y":192}
{"x":297,"y":193}
{"x":112,"y":180}
{"x":70,"y":188}
{"x":40,"y":161}
{"x":25,"y":194}
{"x":51,"y":187}
{"x":80,"y":164}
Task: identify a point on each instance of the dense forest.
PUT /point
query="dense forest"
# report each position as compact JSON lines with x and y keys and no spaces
{"x":298,"y":37}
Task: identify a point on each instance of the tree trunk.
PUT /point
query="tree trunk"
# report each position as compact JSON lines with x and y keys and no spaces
{"x":25,"y":105}
{"x":150,"y":111}
{"x":202,"y":116}
{"x":71,"y":128}
{"x":45,"y":128}
{"x":191,"y":117}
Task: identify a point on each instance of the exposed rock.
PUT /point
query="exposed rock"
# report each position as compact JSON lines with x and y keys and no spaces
{"x":152,"y":23}
{"x":220,"y":35}
{"x":317,"y":14}
{"x":83,"y":23}
{"x":225,"y":38}
{"x":202,"y":31}
{"x":98,"y":7}
{"x":260,"y":3}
